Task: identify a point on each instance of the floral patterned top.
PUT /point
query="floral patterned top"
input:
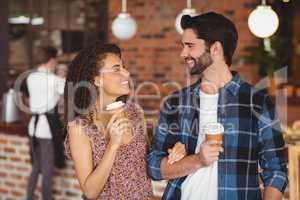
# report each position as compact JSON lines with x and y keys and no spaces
{"x":128,"y":178}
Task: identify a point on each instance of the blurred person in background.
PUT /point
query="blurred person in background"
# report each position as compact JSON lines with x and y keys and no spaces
{"x":45,"y":128}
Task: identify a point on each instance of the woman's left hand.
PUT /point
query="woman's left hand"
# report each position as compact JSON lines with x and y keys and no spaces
{"x":176,"y":153}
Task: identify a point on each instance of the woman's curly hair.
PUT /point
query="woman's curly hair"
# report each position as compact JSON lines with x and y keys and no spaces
{"x":82,"y":70}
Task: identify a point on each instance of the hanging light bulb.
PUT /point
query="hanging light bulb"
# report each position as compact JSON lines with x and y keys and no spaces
{"x":263,"y":22}
{"x":187,"y":11}
{"x":124,"y":26}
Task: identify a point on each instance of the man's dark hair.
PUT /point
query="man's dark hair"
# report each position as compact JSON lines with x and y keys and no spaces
{"x":47,"y":53}
{"x":213,"y":27}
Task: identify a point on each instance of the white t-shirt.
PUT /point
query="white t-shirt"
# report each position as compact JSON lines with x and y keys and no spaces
{"x":44,"y":89}
{"x":203,"y":184}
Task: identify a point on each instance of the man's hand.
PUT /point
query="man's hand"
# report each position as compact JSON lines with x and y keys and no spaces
{"x":209,"y":152}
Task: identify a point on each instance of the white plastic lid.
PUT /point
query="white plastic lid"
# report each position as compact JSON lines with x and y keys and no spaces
{"x":115,"y":105}
{"x":213,"y":128}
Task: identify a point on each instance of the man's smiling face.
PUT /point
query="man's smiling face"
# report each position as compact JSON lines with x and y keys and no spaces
{"x":195,"y":52}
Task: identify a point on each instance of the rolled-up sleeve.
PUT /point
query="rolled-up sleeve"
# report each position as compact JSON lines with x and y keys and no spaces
{"x":156,"y":152}
{"x":166,"y":135}
{"x":273,"y":151}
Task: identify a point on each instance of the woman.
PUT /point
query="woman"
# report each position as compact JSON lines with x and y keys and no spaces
{"x":107,"y":147}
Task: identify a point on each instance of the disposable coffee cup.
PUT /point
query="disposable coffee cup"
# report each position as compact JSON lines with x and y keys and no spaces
{"x":118,"y":105}
{"x":213,"y":131}
{"x":114,"y":105}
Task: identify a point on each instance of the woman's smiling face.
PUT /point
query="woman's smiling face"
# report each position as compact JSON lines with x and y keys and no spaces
{"x":113,"y":77}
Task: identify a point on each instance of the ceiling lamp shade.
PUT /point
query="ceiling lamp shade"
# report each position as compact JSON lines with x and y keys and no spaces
{"x":124,"y":26}
{"x":186,"y":11}
{"x":263,"y":21}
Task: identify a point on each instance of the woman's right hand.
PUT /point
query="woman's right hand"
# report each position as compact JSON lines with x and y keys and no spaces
{"x":176,"y":153}
{"x":117,"y":127}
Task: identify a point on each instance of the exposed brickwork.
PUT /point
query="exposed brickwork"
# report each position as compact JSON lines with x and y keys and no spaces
{"x":153,"y":54}
{"x":15,"y":169}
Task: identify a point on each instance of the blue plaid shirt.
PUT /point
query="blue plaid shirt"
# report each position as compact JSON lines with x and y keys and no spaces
{"x":252,"y":138}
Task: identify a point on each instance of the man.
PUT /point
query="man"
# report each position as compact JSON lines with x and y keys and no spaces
{"x":252,"y":135}
{"x":45,"y":88}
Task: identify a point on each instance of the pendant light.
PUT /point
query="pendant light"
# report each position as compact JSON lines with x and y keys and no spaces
{"x":263,"y":21}
{"x":187,"y":11}
{"x":124,"y":26}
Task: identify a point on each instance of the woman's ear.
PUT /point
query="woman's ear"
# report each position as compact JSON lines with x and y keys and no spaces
{"x":98,"y":81}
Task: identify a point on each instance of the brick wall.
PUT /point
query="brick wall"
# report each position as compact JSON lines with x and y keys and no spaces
{"x":153,"y":54}
{"x":15,"y":168}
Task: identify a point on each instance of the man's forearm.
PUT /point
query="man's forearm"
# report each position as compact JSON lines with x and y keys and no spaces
{"x":183,"y":167}
{"x":271,"y":193}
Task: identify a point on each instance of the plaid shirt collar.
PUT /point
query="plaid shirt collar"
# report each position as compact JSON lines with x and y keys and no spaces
{"x":232,"y":86}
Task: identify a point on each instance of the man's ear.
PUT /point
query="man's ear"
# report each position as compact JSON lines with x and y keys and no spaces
{"x":216,"y":50}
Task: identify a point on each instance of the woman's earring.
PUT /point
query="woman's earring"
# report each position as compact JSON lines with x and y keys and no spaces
{"x":95,"y":112}
{"x":92,"y":113}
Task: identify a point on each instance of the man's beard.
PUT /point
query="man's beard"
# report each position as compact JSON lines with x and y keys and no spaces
{"x":201,"y":63}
